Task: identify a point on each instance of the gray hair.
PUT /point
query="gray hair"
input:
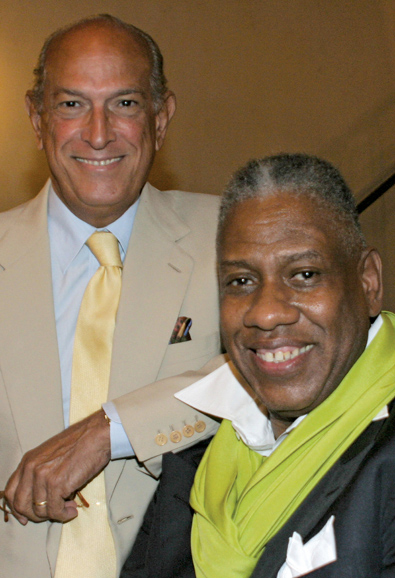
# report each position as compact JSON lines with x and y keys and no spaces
{"x":298,"y":174}
{"x":158,"y":80}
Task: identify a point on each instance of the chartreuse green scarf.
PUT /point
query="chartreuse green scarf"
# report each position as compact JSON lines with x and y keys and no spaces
{"x":242,"y":499}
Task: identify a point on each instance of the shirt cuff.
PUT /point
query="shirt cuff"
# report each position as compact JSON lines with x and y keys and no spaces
{"x":120,"y":444}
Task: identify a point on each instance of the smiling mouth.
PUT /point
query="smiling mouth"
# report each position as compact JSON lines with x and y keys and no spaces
{"x":280,"y":356}
{"x":102,"y":163}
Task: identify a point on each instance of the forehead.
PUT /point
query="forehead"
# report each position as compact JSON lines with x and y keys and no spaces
{"x":96,"y":51}
{"x":281,"y":223}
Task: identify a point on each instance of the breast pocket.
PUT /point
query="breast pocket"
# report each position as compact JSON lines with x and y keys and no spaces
{"x":189,"y":355}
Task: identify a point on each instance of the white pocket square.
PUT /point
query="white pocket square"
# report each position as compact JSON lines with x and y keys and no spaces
{"x":317,"y":552}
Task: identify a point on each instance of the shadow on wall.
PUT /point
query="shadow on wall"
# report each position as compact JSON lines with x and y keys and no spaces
{"x":378,"y":224}
{"x":371,"y":136}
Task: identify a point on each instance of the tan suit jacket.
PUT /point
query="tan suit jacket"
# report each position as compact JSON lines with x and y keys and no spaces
{"x":169,"y":271}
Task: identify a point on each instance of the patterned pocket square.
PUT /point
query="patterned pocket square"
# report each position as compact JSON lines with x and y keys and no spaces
{"x":181,"y":330}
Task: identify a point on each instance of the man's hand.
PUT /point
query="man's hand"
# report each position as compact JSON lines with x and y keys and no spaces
{"x":54,"y":471}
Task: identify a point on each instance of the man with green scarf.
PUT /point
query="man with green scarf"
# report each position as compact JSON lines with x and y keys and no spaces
{"x":300,"y":478}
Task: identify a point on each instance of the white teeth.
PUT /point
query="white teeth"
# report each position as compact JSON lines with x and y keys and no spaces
{"x":280,"y":356}
{"x":98,"y":163}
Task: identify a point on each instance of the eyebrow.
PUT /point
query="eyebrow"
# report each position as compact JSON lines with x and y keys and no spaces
{"x":287,"y":259}
{"x":121,"y":92}
{"x":235,"y":263}
{"x":310,"y":254}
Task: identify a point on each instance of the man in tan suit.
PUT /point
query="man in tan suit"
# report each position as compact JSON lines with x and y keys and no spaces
{"x":100,"y":109}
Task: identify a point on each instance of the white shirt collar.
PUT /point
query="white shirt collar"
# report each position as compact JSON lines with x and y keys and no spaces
{"x":69,"y":234}
{"x":222,"y":394}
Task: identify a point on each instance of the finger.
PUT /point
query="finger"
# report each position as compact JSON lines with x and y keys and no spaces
{"x":10,"y":492}
{"x":70,"y":510}
{"x":27,"y":502}
{"x":39,"y":507}
{"x":26,"y":494}
{"x":40,"y":495}
{"x":10,"y":510}
{"x":50,"y":485}
{"x":60,"y":509}
{"x":21,"y":519}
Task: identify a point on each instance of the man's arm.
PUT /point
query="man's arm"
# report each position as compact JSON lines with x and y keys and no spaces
{"x":153,"y":410}
{"x":62,"y":465}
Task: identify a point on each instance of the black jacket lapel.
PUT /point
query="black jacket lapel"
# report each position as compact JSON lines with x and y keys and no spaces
{"x":312,"y":515}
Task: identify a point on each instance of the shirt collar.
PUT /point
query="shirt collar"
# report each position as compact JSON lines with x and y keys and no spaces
{"x":68,"y":234}
{"x":223,"y":394}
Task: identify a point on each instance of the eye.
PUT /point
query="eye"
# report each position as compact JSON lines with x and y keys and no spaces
{"x":306,"y":278}
{"x":70,"y":108}
{"x":70,"y":104}
{"x":240,"y":281}
{"x":305,"y":275}
{"x":126,"y":107}
{"x":127,"y":103}
{"x":237,"y":285}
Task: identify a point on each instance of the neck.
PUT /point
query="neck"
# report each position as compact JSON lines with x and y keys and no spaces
{"x":279,"y":425}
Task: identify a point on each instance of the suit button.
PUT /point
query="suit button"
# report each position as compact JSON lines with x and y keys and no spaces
{"x":161,"y":439}
{"x":188,"y":431}
{"x":200,"y":426}
{"x":175,"y":436}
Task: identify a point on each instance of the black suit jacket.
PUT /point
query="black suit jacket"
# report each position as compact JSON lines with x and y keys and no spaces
{"x":359,"y":490}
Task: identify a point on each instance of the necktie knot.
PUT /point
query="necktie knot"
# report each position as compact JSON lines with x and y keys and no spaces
{"x":104,"y":246}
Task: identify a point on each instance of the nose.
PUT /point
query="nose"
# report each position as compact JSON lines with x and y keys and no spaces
{"x":271,"y":305}
{"x":98,"y":131}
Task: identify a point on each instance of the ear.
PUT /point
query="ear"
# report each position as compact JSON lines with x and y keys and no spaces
{"x":35,"y":118}
{"x":372,"y":282}
{"x":164,"y":117}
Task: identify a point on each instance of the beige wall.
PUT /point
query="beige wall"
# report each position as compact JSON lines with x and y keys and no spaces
{"x":252,"y":77}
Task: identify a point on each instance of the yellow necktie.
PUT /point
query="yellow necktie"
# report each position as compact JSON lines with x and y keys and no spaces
{"x":87,"y":547}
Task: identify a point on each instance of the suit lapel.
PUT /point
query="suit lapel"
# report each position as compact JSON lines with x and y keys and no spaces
{"x":314,"y":512}
{"x":155,"y":279}
{"x":29,"y":358}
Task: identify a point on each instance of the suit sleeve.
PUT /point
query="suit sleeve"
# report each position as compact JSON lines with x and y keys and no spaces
{"x":174,"y":276}
{"x":153,"y":411}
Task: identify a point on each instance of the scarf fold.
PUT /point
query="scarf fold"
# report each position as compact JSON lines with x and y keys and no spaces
{"x":242,"y":499}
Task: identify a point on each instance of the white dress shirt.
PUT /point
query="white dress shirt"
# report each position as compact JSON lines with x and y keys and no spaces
{"x":222,"y":394}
